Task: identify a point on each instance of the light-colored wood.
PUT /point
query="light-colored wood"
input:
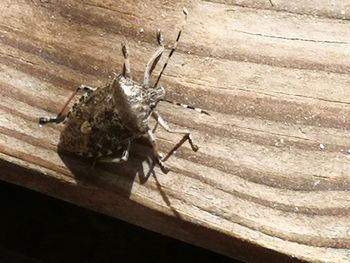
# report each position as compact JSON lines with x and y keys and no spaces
{"x":271,"y":181}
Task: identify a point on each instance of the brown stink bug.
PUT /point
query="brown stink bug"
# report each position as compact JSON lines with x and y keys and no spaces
{"x":108,"y":119}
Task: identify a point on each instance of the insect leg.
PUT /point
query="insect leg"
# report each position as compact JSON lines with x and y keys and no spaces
{"x":151,"y":64}
{"x":187,"y":135}
{"x":155,"y":127}
{"x":126,"y":66}
{"x":125,"y":154}
{"x":174,"y":47}
{"x":158,"y":156}
{"x":63,"y":113}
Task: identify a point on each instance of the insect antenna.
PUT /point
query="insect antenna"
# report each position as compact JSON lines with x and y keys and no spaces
{"x":151,"y":64}
{"x":126,"y":66}
{"x":174,"y":47}
{"x":186,"y":106}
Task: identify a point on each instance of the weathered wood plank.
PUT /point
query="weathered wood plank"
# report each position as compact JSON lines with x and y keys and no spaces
{"x":275,"y":79}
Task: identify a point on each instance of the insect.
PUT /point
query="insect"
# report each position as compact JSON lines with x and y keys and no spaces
{"x":106,"y":120}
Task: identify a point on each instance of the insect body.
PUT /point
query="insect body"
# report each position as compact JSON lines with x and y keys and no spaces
{"x":106,"y":120}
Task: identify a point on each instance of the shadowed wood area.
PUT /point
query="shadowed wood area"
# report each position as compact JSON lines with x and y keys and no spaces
{"x":271,"y":180}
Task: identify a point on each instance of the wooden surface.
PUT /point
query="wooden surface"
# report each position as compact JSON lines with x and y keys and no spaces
{"x":271,"y":180}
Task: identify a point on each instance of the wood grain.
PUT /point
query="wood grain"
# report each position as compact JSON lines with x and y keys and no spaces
{"x":271,"y":180}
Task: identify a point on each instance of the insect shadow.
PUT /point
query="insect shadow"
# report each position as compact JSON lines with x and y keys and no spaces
{"x":118,"y":178}
{"x":113,"y":177}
